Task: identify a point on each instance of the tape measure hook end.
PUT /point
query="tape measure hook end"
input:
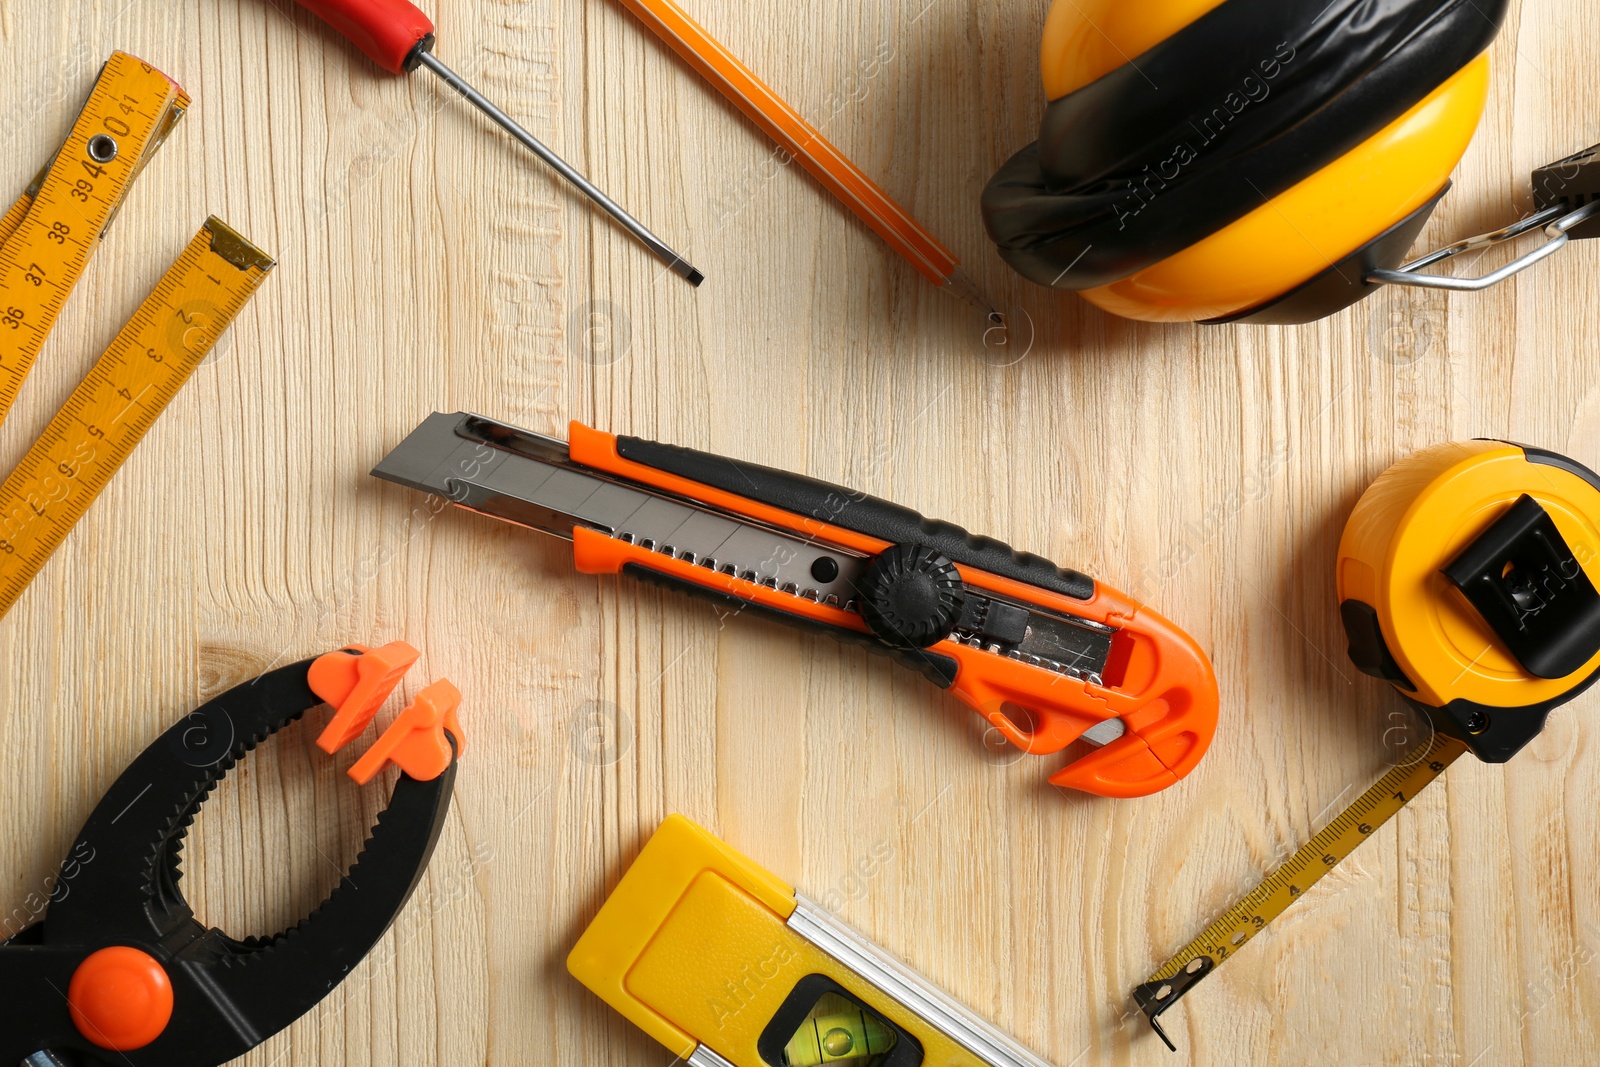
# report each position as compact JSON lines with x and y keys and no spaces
{"x":1156,"y":996}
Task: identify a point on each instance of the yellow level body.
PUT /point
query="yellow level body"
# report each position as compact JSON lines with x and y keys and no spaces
{"x":725,"y":964}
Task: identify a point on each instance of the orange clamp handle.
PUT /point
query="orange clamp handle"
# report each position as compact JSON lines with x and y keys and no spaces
{"x":417,"y":741}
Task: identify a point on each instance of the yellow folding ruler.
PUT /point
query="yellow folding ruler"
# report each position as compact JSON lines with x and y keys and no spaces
{"x":1467,"y":580}
{"x":51,"y":233}
{"x":46,"y":240}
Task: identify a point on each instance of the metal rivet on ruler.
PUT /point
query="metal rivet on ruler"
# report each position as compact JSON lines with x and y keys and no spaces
{"x":102,"y":148}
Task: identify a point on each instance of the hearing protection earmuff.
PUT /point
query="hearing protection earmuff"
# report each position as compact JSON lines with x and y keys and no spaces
{"x":1267,"y":161}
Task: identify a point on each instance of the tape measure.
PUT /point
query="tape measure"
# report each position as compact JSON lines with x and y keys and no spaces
{"x":48,"y":237}
{"x":1466,"y":580}
{"x":46,"y":240}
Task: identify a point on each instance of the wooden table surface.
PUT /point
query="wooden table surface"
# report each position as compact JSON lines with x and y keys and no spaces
{"x":425,"y":264}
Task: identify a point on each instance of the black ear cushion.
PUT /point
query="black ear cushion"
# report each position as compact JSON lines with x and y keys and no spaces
{"x":1194,"y":134}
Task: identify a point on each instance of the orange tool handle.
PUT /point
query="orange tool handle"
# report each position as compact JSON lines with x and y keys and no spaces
{"x":393,"y":33}
{"x":1156,"y":678}
{"x":804,"y":141}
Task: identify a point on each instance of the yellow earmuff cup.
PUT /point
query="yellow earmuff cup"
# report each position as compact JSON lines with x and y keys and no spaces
{"x":1294,"y":236}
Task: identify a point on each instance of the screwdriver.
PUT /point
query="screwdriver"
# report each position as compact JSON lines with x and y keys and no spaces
{"x":399,"y":38}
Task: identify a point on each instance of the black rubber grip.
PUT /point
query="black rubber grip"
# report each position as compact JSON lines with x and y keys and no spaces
{"x":939,"y":669}
{"x":856,"y":511}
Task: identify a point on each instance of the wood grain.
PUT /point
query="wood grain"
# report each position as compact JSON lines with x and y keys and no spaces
{"x":426,"y":265}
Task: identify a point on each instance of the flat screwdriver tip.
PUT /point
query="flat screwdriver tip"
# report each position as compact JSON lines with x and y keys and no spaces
{"x":656,"y":245}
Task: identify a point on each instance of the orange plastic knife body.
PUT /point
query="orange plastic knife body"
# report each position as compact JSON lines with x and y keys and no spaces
{"x":1157,"y":680}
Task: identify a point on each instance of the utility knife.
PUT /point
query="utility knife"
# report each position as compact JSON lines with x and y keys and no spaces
{"x":1047,"y":656}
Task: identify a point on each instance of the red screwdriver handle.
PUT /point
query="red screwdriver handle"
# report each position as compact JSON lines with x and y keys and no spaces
{"x":389,"y":31}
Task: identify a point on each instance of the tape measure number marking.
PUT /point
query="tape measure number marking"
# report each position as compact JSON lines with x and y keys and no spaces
{"x":115,"y":405}
{"x":1289,"y":882}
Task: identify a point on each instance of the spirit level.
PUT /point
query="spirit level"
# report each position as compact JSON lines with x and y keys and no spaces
{"x":727,"y":966}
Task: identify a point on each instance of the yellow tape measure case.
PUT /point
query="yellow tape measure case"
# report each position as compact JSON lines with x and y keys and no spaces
{"x":1466,"y":579}
{"x":724,"y":964}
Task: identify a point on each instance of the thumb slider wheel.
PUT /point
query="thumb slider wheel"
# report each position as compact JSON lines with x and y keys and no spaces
{"x":911,"y":596}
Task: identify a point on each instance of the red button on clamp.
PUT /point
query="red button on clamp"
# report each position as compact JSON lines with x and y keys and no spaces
{"x":120,"y":999}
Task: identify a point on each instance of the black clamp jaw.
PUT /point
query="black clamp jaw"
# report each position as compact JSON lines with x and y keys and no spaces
{"x":119,"y":973}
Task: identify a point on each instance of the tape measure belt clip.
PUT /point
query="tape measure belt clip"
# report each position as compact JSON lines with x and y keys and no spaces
{"x":1527,"y":584}
{"x":1485,"y":618}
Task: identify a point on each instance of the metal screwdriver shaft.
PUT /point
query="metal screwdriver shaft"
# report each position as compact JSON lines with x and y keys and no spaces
{"x":397,"y":36}
{"x":676,"y":263}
